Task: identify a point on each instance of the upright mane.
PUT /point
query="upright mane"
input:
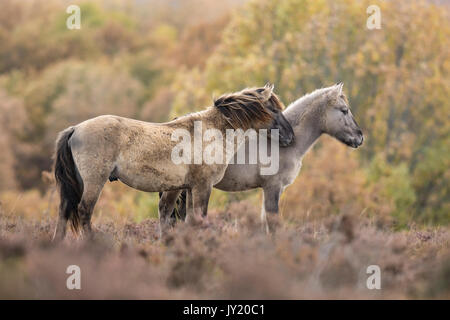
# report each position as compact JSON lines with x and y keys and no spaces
{"x":248,"y":108}
{"x":308,"y":102}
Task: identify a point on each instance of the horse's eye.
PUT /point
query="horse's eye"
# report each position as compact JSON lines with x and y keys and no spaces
{"x":344,"y":111}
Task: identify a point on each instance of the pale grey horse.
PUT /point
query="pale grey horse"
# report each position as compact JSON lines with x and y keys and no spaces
{"x":140,"y":154}
{"x":326,"y":111}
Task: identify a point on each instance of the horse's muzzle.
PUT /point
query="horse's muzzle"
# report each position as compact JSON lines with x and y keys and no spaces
{"x":356,"y":142}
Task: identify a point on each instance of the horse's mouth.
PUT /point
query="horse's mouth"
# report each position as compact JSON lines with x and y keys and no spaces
{"x":355,"y":143}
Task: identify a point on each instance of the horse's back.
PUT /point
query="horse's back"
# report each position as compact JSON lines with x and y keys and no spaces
{"x":96,"y":131}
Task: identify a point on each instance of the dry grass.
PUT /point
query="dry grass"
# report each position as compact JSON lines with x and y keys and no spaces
{"x":231,"y":258}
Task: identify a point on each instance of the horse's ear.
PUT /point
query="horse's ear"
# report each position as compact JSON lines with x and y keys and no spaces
{"x":267,"y":92}
{"x":339,"y":87}
{"x":269,"y":85}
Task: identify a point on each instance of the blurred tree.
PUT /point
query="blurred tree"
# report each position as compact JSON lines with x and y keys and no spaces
{"x":198,"y":41}
{"x":12,"y":122}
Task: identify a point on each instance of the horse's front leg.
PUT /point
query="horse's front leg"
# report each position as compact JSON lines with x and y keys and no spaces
{"x":166,"y":205}
{"x":197,"y":204}
{"x":269,"y":211}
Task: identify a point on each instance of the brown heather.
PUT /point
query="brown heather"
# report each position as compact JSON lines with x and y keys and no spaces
{"x":230,"y":259}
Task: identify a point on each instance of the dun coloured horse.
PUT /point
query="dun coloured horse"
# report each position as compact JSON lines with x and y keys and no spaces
{"x":139,"y":154}
{"x":326,"y":111}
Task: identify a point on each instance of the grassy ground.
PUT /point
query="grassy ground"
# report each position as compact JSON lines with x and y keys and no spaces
{"x":231,"y":258}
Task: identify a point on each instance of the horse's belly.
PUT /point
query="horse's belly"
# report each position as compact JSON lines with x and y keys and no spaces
{"x":239,"y":177}
{"x":148,"y":178}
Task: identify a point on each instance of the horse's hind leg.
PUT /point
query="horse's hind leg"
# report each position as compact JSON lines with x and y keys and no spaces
{"x":90,"y":196}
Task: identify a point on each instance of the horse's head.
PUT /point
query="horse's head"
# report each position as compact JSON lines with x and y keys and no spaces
{"x":257,"y":108}
{"x":338,"y":120}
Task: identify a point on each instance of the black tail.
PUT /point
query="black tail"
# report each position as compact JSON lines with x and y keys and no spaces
{"x":179,"y":211}
{"x":70,"y":189}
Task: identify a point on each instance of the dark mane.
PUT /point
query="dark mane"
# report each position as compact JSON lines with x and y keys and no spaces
{"x":247,"y":108}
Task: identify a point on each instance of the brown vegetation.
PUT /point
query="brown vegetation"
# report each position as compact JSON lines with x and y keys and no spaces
{"x":231,"y":258}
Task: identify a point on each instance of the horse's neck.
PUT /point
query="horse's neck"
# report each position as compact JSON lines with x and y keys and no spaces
{"x":303,"y":115}
{"x":306,"y":134}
